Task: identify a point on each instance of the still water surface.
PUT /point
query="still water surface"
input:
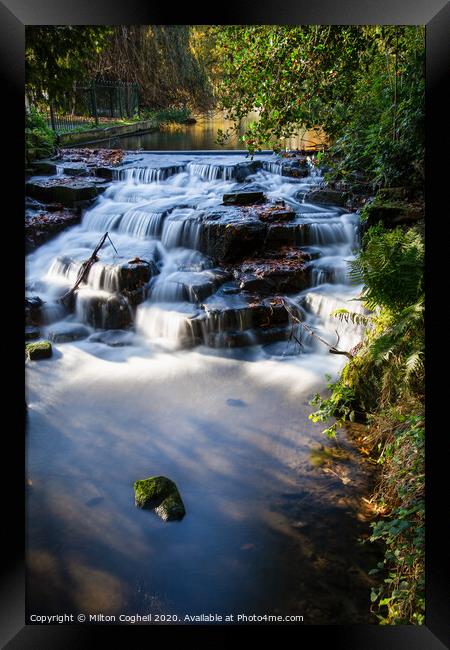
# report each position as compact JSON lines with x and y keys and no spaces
{"x":201,"y":136}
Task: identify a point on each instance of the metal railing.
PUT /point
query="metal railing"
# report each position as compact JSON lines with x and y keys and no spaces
{"x":93,"y":104}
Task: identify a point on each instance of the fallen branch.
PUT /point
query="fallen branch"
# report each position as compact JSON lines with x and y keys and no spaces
{"x":85,"y":268}
{"x":331,"y":348}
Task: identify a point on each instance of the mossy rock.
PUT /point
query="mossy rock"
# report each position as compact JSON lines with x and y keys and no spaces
{"x":160,"y":494}
{"x":39,"y":350}
{"x":390,"y":209}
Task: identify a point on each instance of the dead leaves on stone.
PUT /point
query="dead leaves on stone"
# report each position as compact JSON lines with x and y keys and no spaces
{"x":108,"y":157}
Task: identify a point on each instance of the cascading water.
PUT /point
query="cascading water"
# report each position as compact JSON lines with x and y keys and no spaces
{"x":166,"y":212}
{"x":161,"y":392}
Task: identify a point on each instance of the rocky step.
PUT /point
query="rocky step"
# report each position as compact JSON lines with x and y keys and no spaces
{"x":69,"y":191}
{"x":188,"y":286}
{"x":238,"y":312}
{"x":102,"y":310}
{"x":139,"y":175}
{"x":296,"y":167}
{"x":243,"y":318}
{"x":245,"y":197}
{"x":231,"y":233}
{"x":127,"y":275}
{"x":283,"y":271}
{"x":42,"y":225}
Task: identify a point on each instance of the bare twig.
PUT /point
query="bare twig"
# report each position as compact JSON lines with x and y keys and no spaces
{"x":85,"y":268}
{"x":331,"y":348}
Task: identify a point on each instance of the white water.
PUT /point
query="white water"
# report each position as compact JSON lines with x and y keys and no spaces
{"x":229,"y":426}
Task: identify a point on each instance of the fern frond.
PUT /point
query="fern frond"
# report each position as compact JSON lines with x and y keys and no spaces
{"x":355,"y":318}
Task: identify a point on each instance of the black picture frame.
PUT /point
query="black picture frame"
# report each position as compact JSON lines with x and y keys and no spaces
{"x":14,"y":15}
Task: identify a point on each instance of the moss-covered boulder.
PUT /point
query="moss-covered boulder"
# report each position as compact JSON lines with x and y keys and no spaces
{"x":390,"y":210}
{"x":160,"y":494}
{"x":39,"y":350}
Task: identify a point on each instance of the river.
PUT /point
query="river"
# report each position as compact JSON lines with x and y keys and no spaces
{"x":270,"y":527}
{"x":203,"y":136}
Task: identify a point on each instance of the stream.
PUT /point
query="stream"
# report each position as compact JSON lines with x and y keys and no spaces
{"x":184,"y":384}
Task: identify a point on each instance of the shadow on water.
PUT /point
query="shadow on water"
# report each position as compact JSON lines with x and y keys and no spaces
{"x":265,"y":531}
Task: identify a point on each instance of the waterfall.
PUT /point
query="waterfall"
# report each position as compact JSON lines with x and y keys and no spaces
{"x":181,"y":228}
{"x":139,"y":175}
{"x":273,"y":167}
{"x":156,"y":213}
{"x":211,"y":172}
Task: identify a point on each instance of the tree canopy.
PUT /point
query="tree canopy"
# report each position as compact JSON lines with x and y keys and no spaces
{"x":363,"y":85}
{"x":56,"y":56}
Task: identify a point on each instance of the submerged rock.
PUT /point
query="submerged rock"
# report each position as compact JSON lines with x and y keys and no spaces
{"x":113,"y":338}
{"x":33,"y":310}
{"x":32,"y":333}
{"x":160,"y":494}
{"x":67,"y":332}
{"x":38,"y":350}
{"x":104,"y":311}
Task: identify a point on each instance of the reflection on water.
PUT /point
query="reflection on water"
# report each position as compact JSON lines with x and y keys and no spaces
{"x":202,"y":136}
{"x":265,"y":532}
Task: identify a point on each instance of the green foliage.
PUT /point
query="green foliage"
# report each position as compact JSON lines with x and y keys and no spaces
{"x":166,"y":61}
{"x":56,"y":56}
{"x":390,"y":265}
{"x":167,"y":115}
{"x":339,"y":405}
{"x":385,"y":379}
{"x":362,"y":85}
{"x":39,"y":137}
{"x":385,"y":132}
{"x":400,"y":598}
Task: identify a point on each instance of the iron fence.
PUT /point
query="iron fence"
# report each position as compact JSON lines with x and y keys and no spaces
{"x":92,"y":104}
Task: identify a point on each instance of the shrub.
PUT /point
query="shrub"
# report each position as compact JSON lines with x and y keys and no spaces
{"x":40,"y":140}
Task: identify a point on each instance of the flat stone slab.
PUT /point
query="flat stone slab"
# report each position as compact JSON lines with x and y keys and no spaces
{"x":283,"y":271}
{"x":275,"y":214}
{"x":45,"y":224}
{"x":67,"y":332}
{"x":113,"y":338}
{"x":67,"y":191}
{"x":243,"y":198}
{"x":231,"y":233}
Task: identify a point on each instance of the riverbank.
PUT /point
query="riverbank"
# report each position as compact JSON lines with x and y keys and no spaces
{"x":382,"y":387}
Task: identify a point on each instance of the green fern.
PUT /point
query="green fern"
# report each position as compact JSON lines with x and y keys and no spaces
{"x":353,"y":317}
{"x":390,"y":266}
